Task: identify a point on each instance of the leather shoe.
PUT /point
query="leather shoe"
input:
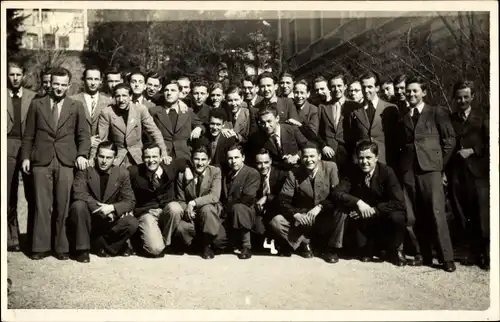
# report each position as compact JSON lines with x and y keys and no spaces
{"x":102,"y":253}
{"x":399,"y":259}
{"x":468,"y":261}
{"x":484,"y":262}
{"x":330,"y":257}
{"x":208,"y":253}
{"x":127,"y":252}
{"x":39,"y":255}
{"x":246,"y":253}
{"x":417,"y":261}
{"x":449,"y":267}
{"x":305,"y":251}
{"x":61,"y":256}
{"x":83,"y":257}
{"x":14,"y":248}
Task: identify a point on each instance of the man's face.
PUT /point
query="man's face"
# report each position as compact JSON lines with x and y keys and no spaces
{"x":153,"y":86}
{"x":171,"y":93}
{"x":355,"y":92}
{"x":310,"y":158}
{"x":267,"y":88}
{"x":463,"y":98}
{"x":250,"y":90}
{"x":215,"y":126}
{"x":46,"y":83}
{"x":122,"y":98}
{"x":338,"y":88}
{"x":415,"y":94}
{"x":105,"y":159}
{"x":286,"y":85}
{"x":200,"y":162}
{"x":263,"y":163}
{"x":200,"y":95}
{"x":112,"y":80}
{"x":234,"y":102}
{"x":300,"y":94}
{"x":269,"y":122}
{"x":369,"y":88}
{"x":222,"y":75}
{"x":60,"y":85}
{"x":235,"y":159}
{"x":184,"y":84}
{"x":216,"y":96}
{"x":151,"y":158}
{"x":322,"y":91}
{"x":15,"y":76}
{"x":367,"y":160}
{"x":387,"y":91}
{"x":92,"y":81}
{"x":400,"y":90}
{"x":137,"y":84}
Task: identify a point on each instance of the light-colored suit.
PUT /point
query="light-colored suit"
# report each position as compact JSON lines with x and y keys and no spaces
{"x":128,"y":137}
{"x":241,"y":126}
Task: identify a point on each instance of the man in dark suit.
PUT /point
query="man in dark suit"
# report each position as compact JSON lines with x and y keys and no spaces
{"x":112,"y":77}
{"x":199,"y":93}
{"x":468,"y":175}
{"x":94,"y":102}
{"x":374,"y":201}
{"x":137,"y":81}
{"x":44,"y":82}
{"x":387,"y":90}
{"x":334,"y":119}
{"x":250,"y":88}
{"x":306,"y":210}
{"x":152,"y":93}
{"x":283,"y":141}
{"x":57,"y":137}
{"x":308,"y":115}
{"x":240,"y":187}
{"x":153,"y":183}
{"x":399,"y":98}
{"x":240,"y":121}
{"x":375,"y":121}
{"x":286,"y":85}
{"x":428,"y":143}
{"x":101,"y":214}
{"x":354,"y":92}
{"x":177,"y":122}
{"x":197,"y":208}
{"x":18,"y":102}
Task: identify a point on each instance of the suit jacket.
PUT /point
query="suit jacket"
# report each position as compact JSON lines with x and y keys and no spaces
{"x":43,"y":142}
{"x":242,"y":189}
{"x":242,"y":125}
{"x":128,"y":137}
{"x":176,"y":136}
{"x":286,"y":110}
{"x":146,"y":196}
{"x":292,"y":141}
{"x":203,"y":114}
{"x":210,"y":188}
{"x":384,"y":193}
{"x":103,"y":101}
{"x":474,"y":134}
{"x":118,"y":192}
{"x":431,"y":141}
{"x":382,"y":130}
{"x":298,"y":194}
{"x":277,"y":178}
{"x":309,"y":117}
{"x":13,"y":146}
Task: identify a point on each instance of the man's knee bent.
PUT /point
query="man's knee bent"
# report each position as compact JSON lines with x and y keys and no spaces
{"x":278,"y":223}
{"x":208,"y":212}
{"x":173,"y":209}
{"x":78,"y":209}
{"x":131,"y":224}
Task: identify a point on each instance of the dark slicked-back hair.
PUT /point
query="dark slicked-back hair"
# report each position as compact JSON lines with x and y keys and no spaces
{"x":169,"y":82}
{"x":113,"y":71}
{"x":216,"y":85}
{"x":367,"y":145}
{"x":417,"y":80}
{"x":84,"y":74}
{"x":135,"y":72}
{"x":199,"y":83}
{"x":218,"y":113}
{"x":320,"y":79}
{"x":386,"y":80}
{"x":201,"y":148}
{"x":262,"y":151}
{"x":266,"y":75}
{"x":46,"y":71}
{"x":302,"y":82}
{"x":61,"y":72}
{"x":286,"y":74}
{"x":338,"y":76}
{"x":269,"y":109}
{"x":122,"y":86}
{"x":311,"y":145}
{"x":369,"y":75}
{"x":16,"y":63}
{"x":236,"y":147}
{"x":249,"y":78}
{"x":463,"y":84}
{"x":149,"y":146}
{"x":399,"y":79}
{"x":107,"y":145}
{"x":154,"y":75}
{"x":234,"y":89}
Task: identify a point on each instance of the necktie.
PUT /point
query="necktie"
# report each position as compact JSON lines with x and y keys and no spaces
{"x":370,"y":111}
{"x":213,"y":148}
{"x":463,"y":117}
{"x":368,"y":177}
{"x":93,"y":106}
{"x":266,"y":189}
{"x":234,"y":119}
{"x":336,"y":108}
{"x":276,"y":142}
{"x":416,"y":115}
{"x":15,"y":94}
{"x":198,"y":185}
{"x":172,"y":115}
{"x":55,"y":114}
{"x":155,"y":181}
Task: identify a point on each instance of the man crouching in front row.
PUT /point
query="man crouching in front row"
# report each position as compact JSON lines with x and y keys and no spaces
{"x":100,"y":216}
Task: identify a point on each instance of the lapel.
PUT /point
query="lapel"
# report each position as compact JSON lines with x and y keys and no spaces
{"x":269,"y":144}
{"x":132,"y":119}
{"x":305,"y":184}
{"x":320,"y":181}
{"x":304,"y":112}
{"x":94,"y":182}
{"x":375,"y":180}
{"x":377,"y":120}
{"x":102,"y":102}
{"x":81,"y":97}
{"x":46,"y":111}
{"x":236,"y":182}
{"x":182,"y":119}
{"x":65,"y":112}
{"x":118,"y":120}
{"x":163,"y":118}
{"x":240,"y":121}
{"x":327,"y":108}
{"x":424,"y":116}
{"x":360,"y":113}
{"x":191,"y":187}
{"x":473,"y":120}
{"x":112,"y":185}
{"x":10,"y":107}
{"x":25,"y":103}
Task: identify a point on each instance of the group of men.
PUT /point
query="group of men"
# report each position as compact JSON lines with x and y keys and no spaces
{"x":157,"y":167}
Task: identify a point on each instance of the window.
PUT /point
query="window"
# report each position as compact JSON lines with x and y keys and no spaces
{"x":33,"y":17}
{"x":49,"y":41}
{"x":31,"y":41}
{"x":63,"y":42}
{"x":303,"y":33}
{"x":292,"y":37}
{"x":45,"y":14}
{"x":78,"y":21}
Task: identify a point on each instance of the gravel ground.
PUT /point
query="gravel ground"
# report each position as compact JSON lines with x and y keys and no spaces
{"x":263,"y":282}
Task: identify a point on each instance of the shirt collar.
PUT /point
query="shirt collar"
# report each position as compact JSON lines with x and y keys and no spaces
{"x":236,"y":173}
{"x":174,"y":107}
{"x":374,"y":102}
{"x":419,"y":107}
{"x":96,"y":95}
{"x":159,"y":172}
{"x":274,"y":99}
{"x":341,"y":101}
{"x":467,"y":112}
{"x":59,"y":104}
{"x":313,"y":174}
{"x":19,"y":92}
{"x":235,"y":116}
{"x":277,"y":130}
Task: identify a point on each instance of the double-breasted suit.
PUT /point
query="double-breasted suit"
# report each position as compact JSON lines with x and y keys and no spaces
{"x":241,"y":125}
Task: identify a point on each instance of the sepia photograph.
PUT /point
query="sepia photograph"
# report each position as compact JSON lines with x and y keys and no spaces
{"x":263,"y":157}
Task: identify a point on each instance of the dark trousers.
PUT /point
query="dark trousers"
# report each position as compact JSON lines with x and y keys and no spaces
{"x":52,"y":194}
{"x":94,"y":232}
{"x":426,"y":194}
{"x":385,"y":230}
{"x":469,"y":197}
{"x":13,"y":169}
{"x":206,"y":222}
{"x":238,"y":223}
